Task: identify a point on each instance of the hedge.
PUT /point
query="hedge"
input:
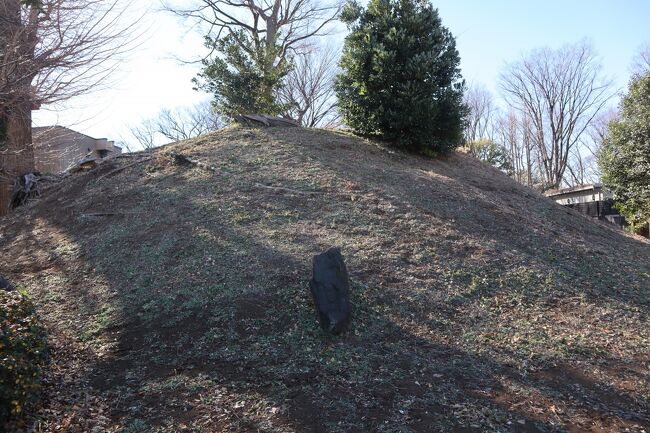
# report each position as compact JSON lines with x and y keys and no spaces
{"x":23,"y":351}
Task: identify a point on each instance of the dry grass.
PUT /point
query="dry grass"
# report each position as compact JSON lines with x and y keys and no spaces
{"x":479,"y":305}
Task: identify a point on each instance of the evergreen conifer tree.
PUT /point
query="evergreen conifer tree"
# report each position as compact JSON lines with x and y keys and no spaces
{"x":400,"y":75}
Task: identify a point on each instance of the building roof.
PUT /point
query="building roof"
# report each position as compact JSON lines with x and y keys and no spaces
{"x":574,"y":189}
{"x":37,"y":129}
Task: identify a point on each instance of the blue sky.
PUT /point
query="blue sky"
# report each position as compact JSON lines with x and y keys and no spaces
{"x":489,"y":33}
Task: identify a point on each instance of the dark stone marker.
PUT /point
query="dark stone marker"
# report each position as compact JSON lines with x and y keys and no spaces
{"x":330,"y":288}
{"x":5,"y":284}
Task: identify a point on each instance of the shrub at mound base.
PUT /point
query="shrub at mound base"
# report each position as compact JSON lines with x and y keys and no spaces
{"x":22,"y":353}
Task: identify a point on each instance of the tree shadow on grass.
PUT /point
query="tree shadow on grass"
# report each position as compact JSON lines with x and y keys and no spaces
{"x":485,"y":208}
{"x":212,"y":328}
{"x":266,"y":366}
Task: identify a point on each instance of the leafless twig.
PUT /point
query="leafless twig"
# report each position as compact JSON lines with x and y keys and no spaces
{"x":289,"y":24}
{"x":309,"y":88}
{"x":559,"y":92}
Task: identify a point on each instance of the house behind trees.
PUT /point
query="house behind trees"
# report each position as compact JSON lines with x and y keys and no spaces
{"x":57,"y":148}
{"x":592,"y":200}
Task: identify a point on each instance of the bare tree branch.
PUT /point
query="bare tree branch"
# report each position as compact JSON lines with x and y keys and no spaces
{"x":309,"y":88}
{"x":145,"y":134}
{"x":176,"y":125}
{"x":61,"y":49}
{"x":559,"y":92}
{"x":641,"y":64}
{"x":287,"y":23}
{"x":482,"y":110}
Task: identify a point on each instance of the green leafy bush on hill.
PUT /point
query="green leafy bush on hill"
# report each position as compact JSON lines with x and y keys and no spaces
{"x":22,"y":353}
{"x":625,"y":155}
{"x":400,"y":76}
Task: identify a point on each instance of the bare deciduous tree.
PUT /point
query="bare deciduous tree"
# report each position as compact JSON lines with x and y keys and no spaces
{"x":59,"y":49}
{"x":559,"y":92}
{"x":510,"y":132}
{"x":184,"y":123}
{"x":641,"y":64}
{"x":287,"y":24}
{"x":145,"y":134}
{"x":583,"y":166}
{"x":309,"y":90}
{"x":176,"y":125}
{"x":482,"y":110}
{"x":50,"y":51}
{"x":579,"y":168}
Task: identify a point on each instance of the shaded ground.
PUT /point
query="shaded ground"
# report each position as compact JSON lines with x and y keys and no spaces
{"x":176,"y":297}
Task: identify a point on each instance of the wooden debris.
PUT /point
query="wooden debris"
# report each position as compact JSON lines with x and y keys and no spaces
{"x":305,"y":192}
{"x":285,"y":189}
{"x":104,"y":214}
{"x":87,"y":163}
{"x":182,"y":160}
{"x":265,"y":120}
{"x":124,"y":167}
{"x":133,"y":154}
{"x":25,"y":188}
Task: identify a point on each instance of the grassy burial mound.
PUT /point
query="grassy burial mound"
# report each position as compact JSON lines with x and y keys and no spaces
{"x":174,"y":288}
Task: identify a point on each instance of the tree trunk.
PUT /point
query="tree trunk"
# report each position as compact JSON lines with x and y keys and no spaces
{"x":17,"y":153}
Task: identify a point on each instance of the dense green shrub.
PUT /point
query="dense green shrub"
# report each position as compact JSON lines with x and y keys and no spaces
{"x":625,"y":154}
{"x":243,"y":80}
{"x":22,"y":353}
{"x":400,"y":76}
{"x":491,"y":152}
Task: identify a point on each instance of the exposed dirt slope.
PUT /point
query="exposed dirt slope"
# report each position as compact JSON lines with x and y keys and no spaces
{"x":176,"y":297}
